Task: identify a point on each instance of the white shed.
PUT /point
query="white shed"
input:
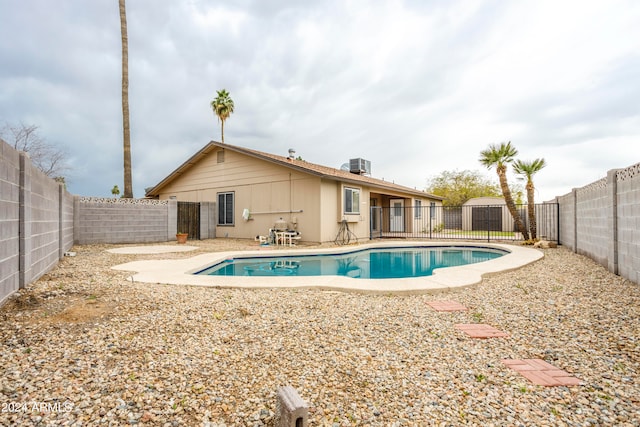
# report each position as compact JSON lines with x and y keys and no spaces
{"x":482,"y":213}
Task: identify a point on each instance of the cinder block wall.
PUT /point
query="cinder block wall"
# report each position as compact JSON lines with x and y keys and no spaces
{"x":42,"y":233}
{"x":9,"y":219}
{"x":40,"y":221}
{"x":567,"y":208}
{"x":35,"y":221}
{"x":601,"y":220}
{"x":66,"y":220}
{"x":104,"y":220}
{"x":628,"y":189}
{"x":592,"y":227}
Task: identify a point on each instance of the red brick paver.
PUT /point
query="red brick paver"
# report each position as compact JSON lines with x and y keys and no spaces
{"x":480,"y":330}
{"x":447,"y":306}
{"x":542,"y":373}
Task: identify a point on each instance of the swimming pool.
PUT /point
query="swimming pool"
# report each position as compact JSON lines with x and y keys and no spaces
{"x":180,"y":271}
{"x":370,"y":263}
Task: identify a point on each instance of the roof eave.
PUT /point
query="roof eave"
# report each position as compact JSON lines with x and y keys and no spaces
{"x":385,"y":187}
{"x":154,"y":192}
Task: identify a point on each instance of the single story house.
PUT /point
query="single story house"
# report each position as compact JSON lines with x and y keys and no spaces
{"x":254,"y":189}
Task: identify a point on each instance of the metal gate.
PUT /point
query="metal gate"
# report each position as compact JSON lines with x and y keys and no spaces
{"x":189,"y":219}
{"x":461,"y":222}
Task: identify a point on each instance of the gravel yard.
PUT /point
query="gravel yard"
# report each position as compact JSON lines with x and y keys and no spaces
{"x":84,"y":346}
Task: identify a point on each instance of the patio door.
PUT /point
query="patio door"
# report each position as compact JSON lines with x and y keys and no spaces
{"x":396,"y":215}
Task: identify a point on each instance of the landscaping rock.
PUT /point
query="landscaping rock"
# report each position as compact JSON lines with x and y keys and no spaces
{"x":89,"y":347}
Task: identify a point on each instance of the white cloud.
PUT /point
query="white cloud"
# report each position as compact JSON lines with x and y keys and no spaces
{"x":417,"y":87}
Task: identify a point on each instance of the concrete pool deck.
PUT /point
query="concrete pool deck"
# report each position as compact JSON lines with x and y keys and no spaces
{"x":180,"y":271}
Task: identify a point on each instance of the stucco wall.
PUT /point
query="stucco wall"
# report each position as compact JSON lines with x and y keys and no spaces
{"x":268,"y":191}
{"x":311,"y":202}
{"x":328,"y":211}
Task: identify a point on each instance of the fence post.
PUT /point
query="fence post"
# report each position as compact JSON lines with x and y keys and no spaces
{"x":60,"y":222}
{"x":612,"y":221}
{"x":574,"y":193}
{"x":557,"y":221}
{"x":172,"y":219}
{"x":488,"y":224}
{"x":370,"y":222}
{"x":24,"y":215}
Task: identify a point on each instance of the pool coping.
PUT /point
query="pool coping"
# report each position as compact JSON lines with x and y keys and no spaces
{"x":180,"y":271}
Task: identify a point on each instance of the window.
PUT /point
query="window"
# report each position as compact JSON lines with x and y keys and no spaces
{"x":417,"y":207}
{"x":221,"y":156}
{"x":351,"y":200}
{"x":432,"y":208}
{"x":225,"y":208}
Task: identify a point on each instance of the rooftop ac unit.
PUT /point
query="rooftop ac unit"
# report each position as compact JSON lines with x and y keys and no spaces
{"x":360,"y":166}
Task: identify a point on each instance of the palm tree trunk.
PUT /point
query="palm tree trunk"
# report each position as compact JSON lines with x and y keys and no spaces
{"x":128,"y":186}
{"x":510,"y":203}
{"x":222,"y":127}
{"x":533,"y":226}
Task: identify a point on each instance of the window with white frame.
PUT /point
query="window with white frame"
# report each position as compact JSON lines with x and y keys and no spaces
{"x":432,"y":208}
{"x":225,"y":208}
{"x":417,"y":208}
{"x":351,"y":200}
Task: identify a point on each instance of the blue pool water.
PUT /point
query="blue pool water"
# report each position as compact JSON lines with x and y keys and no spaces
{"x":382,"y":263}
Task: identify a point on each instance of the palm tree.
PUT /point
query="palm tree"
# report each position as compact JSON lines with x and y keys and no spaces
{"x":527,"y":170}
{"x":499,"y":156}
{"x":222,"y":107}
{"x":128,"y":186}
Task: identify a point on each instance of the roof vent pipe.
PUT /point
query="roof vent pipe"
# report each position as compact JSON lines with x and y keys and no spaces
{"x":292,"y":153}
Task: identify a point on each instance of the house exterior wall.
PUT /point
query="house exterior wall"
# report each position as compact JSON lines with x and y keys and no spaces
{"x":412,"y":223}
{"x":358,"y":222}
{"x":427,"y":219}
{"x":312,"y":205}
{"x":268,"y":191}
{"x":330,"y":210}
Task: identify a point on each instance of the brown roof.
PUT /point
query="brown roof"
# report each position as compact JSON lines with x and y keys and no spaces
{"x":301,"y":165}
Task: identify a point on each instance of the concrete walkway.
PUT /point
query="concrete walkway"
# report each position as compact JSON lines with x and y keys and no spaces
{"x":154,"y":249}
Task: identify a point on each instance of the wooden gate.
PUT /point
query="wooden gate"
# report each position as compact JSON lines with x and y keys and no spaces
{"x":189,"y":219}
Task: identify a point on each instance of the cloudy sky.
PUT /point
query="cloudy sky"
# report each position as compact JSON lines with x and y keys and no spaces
{"x":417,"y":87}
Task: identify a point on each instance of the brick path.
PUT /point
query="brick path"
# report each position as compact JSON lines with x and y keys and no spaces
{"x":537,"y":371}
